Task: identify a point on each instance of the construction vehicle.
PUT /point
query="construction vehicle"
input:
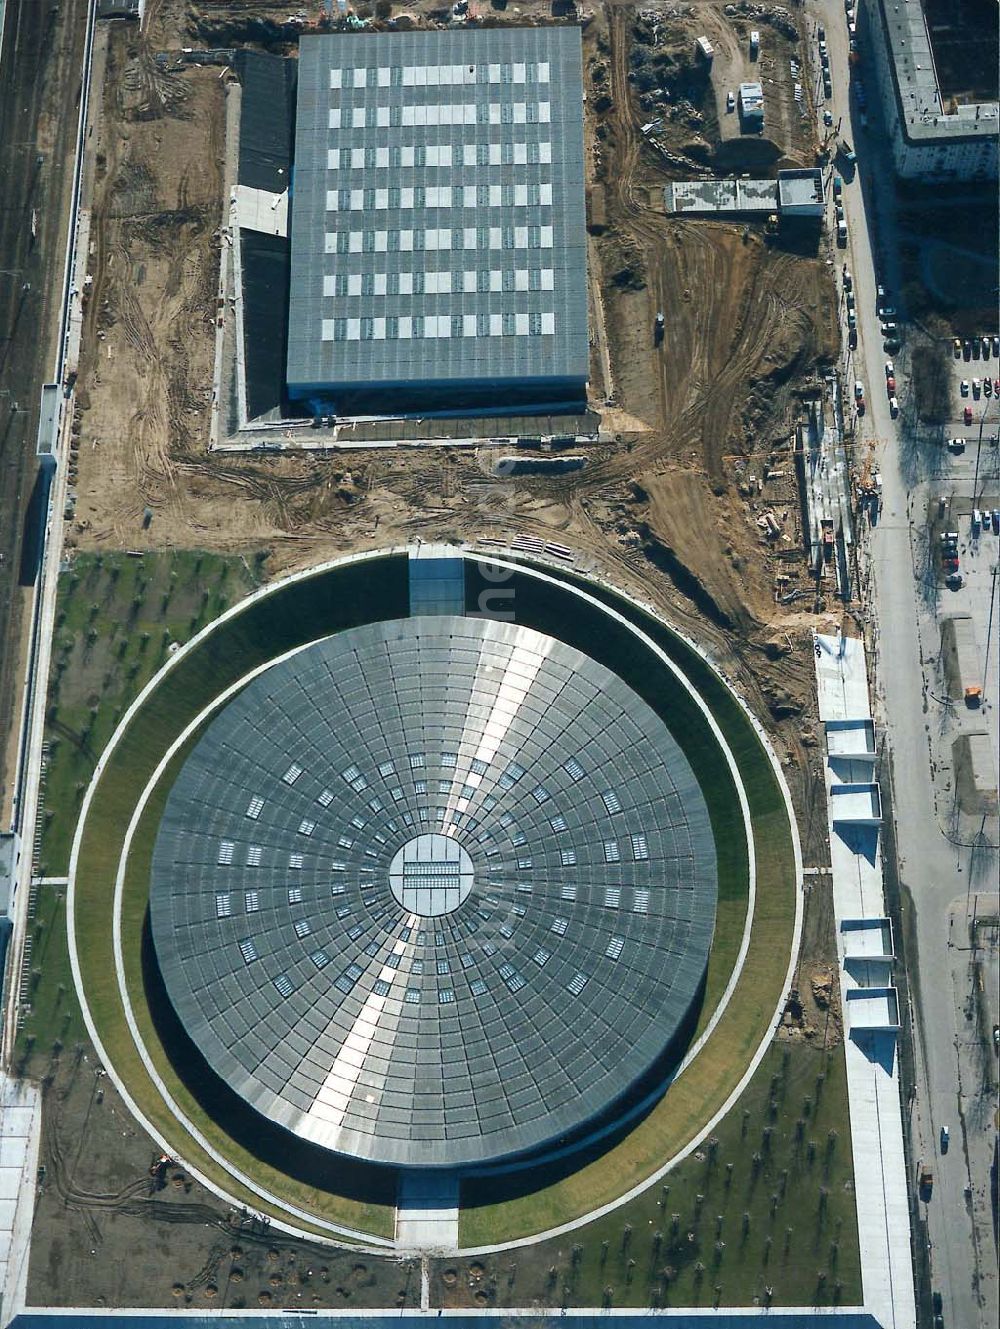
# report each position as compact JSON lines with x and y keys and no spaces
{"x":828,"y":540}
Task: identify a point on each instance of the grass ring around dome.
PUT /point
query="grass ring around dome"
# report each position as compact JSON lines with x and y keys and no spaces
{"x":270,"y":623}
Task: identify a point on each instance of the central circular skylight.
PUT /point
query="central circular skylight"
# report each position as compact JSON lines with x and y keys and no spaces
{"x":430,"y":875}
{"x":434,"y":891}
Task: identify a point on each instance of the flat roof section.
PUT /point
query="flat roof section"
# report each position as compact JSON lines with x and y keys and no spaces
{"x":918,"y":92}
{"x":438,"y":221}
{"x":267,"y":117}
{"x":721,"y":196}
{"x":867,"y":938}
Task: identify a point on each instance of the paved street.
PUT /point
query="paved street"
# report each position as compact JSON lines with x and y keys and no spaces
{"x":906,"y":600}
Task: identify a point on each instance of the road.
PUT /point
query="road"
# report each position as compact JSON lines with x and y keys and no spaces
{"x":39,"y":89}
{"x":932,"y":870}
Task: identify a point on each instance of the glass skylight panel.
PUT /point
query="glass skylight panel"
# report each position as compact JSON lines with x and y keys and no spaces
{"x":558,"y":823}
{"x":251,"y":902}
{"x":640,"y":901}
{"x":292,"y":774}
{"x":577,"y":983}
{"x":541,"y":955}
{"x":225,"y":853}
{"x":255,"y":807}
{"x":612,"y":854}
{"x":325,"y":798}
{"x":386,"y":769}
{"x":248,"y":950}
{"x":295,"y":895}
{"x":381,"y":988}
{"x":358,"y":822}
{"x":412,"y":996}
{"x":612,"y":897}
{"x":640,"y":849}
{"x":449,"y":759}
{"x":350,"y":775}
{"x":478,"y":987}
{"x":568,"y":891}
{"x":296,"y":860}
{"x":302,"y":927}
{"x":614,"y":948}
{"x":567,"y":857}
{"x":446,"y":996}
{"x":540,"y":794}
{"x":223,"y":906}
{"x":559,"y":926}
{"x":611,"y":801}
{"x":284,"y":985}
{"x":306,"y":827}
{"x":416,"y":761}
{"x":320,"y":958}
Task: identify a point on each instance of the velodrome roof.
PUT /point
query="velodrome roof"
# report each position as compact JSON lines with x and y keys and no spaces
{"x":434,"y":891}
{"x":438,"y":227}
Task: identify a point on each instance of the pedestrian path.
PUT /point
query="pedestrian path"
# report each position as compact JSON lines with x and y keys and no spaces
{"x":20,"y":1131}
{"x":870,"y":1006}
{"x":427,"y":1211}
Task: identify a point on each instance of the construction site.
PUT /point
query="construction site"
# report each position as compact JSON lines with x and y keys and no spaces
{"x":709,"y":475}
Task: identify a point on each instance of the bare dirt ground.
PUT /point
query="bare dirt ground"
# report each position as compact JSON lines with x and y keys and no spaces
{"x":106,"y":1233}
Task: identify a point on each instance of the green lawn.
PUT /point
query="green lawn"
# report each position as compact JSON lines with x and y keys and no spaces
{"x":116,"y":617}
{"x":54,"y":1021}
{"x":767,"y":1203}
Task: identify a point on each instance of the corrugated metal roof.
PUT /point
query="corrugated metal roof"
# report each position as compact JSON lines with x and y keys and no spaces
{"x":438,"y":227}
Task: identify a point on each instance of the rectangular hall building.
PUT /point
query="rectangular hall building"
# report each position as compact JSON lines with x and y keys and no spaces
{"x":438,"y":242}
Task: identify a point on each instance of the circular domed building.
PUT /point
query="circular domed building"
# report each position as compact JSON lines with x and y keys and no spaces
{"x":434,"y":891}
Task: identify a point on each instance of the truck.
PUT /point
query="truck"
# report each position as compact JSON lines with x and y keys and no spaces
{"x":754,"y":44}
{"x":847,"y":152}
{"x":925,"y":1181}
{"x":842,"y":234}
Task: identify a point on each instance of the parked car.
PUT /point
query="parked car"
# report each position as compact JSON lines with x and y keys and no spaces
{"x":945,"y":1140}
{"x":977,"y":388}
{"x":886,"y":312}
{"x":987,"y":387}
{"x":967,"y":415}
{"x":847,"y":152}
{"x":730,"y":102}
{"x":985,"y":344}
{"x":852,"y":320}
{"x":996,"y":387}
{"x":977,"y":348}
{"x":850,"y":300}
{"x":859,"y":390}
{"x":963,"y":387}
{"x":828,"y":118}
{"x":838,"y":186}
{"x":956,"y":445}
{"x":957,"y":344}
{"x":890,"y":328}
{"x":848,"y":280}
{"x":893,"y":407}
{"x":890,"y":369}
{"x":890,"y":386}
{"x":996,"y":346}
{"x":852,"y":338}
{"x":995,"y":521}
{"x":967,"y":349}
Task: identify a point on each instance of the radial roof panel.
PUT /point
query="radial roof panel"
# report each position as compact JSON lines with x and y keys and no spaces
{"x":438,"y":226}
{"x":384,"y":904}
